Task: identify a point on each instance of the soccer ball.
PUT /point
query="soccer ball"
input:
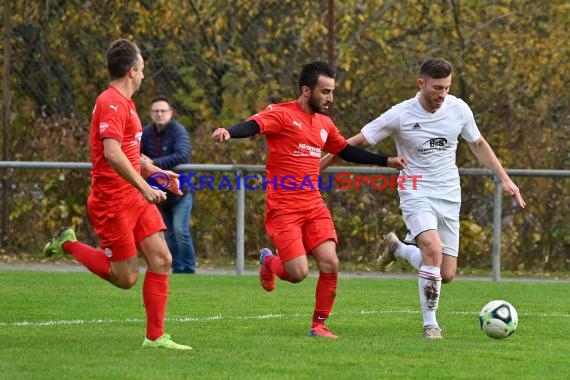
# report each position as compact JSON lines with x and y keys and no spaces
{"x":498,"y":319}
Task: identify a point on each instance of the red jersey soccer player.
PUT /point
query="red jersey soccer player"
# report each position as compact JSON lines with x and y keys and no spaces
{"x":297,"y":218}
{"x":122,"y":205}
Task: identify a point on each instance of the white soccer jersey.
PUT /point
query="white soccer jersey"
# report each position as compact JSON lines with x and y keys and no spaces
{"x":429,"y":142}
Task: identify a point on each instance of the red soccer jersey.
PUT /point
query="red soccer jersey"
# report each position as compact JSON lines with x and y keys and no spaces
{"x":115,"y":117}
{"x":295,"y":140}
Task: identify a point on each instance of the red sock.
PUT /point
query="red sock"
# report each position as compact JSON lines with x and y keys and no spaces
{"x":325,"y":295}
{"x":93,"y":259}
{"x":155,"y":295}
{"x":276,"y":266}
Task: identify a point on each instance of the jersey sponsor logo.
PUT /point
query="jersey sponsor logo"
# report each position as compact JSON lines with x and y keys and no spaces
{"x":304,"y":150}
{"x":416,"y":127}
{"x":297,"y":124}
{"x":324,"y":135}
{"x":114,"y":108}
{"x":433,"y":145}
{"x":438,"y":142}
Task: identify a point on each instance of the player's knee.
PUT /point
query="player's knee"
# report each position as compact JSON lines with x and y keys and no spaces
{"x":448,"y":269}
{"x":329,"y":264}
{"x":447,"y":277}
{"x":161,"y":263}
{"x":334,"y":263}
{"x":126,"y":282}
{"x":167,"y":261}
{"x":298,"y":275}
{"x":296,"y":279}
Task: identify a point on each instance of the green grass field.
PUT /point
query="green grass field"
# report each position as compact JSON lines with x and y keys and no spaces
{"x":71,"y":325}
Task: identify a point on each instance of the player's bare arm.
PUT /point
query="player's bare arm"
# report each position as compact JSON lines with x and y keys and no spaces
{"x":121,"y":164}
{"x":482,"y":150}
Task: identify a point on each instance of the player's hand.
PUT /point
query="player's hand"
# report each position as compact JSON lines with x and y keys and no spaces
{"x":221,"y":135}
{"x":174,"y":182}
{"x":153,"y":196}
{"x":513,"y":190}
{"x":398,"y":162}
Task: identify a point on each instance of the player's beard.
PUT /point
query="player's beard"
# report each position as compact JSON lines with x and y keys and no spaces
{"x":430,"y":103}
{"x":437,"y":103}
{"x":316,"y":107}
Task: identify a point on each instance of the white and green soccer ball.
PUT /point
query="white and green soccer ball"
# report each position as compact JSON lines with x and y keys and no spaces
{"x":499,"y":319}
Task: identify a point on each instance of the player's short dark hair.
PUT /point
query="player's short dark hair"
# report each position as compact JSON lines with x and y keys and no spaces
{"x":311,"y":71}
{"x":121,"y":56}
{"x":435,"y":68}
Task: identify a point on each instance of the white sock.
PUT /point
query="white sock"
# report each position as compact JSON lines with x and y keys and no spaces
{"x":429,"y":285}
{"x":411,"y":254}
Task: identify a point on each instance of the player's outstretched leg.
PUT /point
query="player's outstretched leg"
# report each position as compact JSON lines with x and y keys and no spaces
{"x":266,"y":277}
{"x":93,"y":259}
{"x":388,"y":255}
{"x":55,"y":245}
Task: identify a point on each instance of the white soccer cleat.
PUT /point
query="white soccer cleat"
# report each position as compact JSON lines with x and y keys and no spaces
{"x":388,"y":255}
{"x":432,"y":332}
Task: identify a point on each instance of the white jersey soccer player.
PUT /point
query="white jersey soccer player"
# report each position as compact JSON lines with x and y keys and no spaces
{"x":426,"y":130}
{"x":429,"y":143}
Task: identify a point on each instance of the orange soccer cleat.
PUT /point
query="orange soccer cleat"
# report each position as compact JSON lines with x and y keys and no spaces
{"x":322,"y":331}
{"x":266,"y":278}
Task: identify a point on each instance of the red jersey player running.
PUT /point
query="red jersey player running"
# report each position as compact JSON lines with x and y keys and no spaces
{"x":122,"y":205}
{"x":297,"y":218}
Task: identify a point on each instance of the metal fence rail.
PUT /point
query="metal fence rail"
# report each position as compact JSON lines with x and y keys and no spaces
{"x":240,"y":170}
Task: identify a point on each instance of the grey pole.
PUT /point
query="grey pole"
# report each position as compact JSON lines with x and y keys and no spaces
{"x":497,"y":211}
{"x":240,"y":217}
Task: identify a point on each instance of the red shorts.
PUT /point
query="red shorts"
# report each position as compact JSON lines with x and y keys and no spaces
{"x":121,"y":225}
{"x":297,"y":233}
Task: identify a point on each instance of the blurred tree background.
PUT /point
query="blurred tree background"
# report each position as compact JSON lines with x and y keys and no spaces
{"x":222,"y":61}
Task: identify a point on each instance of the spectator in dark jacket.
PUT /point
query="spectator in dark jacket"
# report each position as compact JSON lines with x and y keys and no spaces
{"x":167,"y":143}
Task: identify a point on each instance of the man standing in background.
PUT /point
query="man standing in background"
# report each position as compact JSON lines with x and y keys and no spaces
{"x":167,"y":143}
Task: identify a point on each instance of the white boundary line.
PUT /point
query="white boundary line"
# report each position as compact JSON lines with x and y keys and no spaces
{"x":219,"y":317}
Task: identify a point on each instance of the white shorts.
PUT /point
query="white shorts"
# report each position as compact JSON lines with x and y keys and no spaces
{"x":433,"y":214}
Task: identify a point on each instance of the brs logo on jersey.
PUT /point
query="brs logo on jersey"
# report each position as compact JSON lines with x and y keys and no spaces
{"x":438,"y":142}
{"x":432,"y":146}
